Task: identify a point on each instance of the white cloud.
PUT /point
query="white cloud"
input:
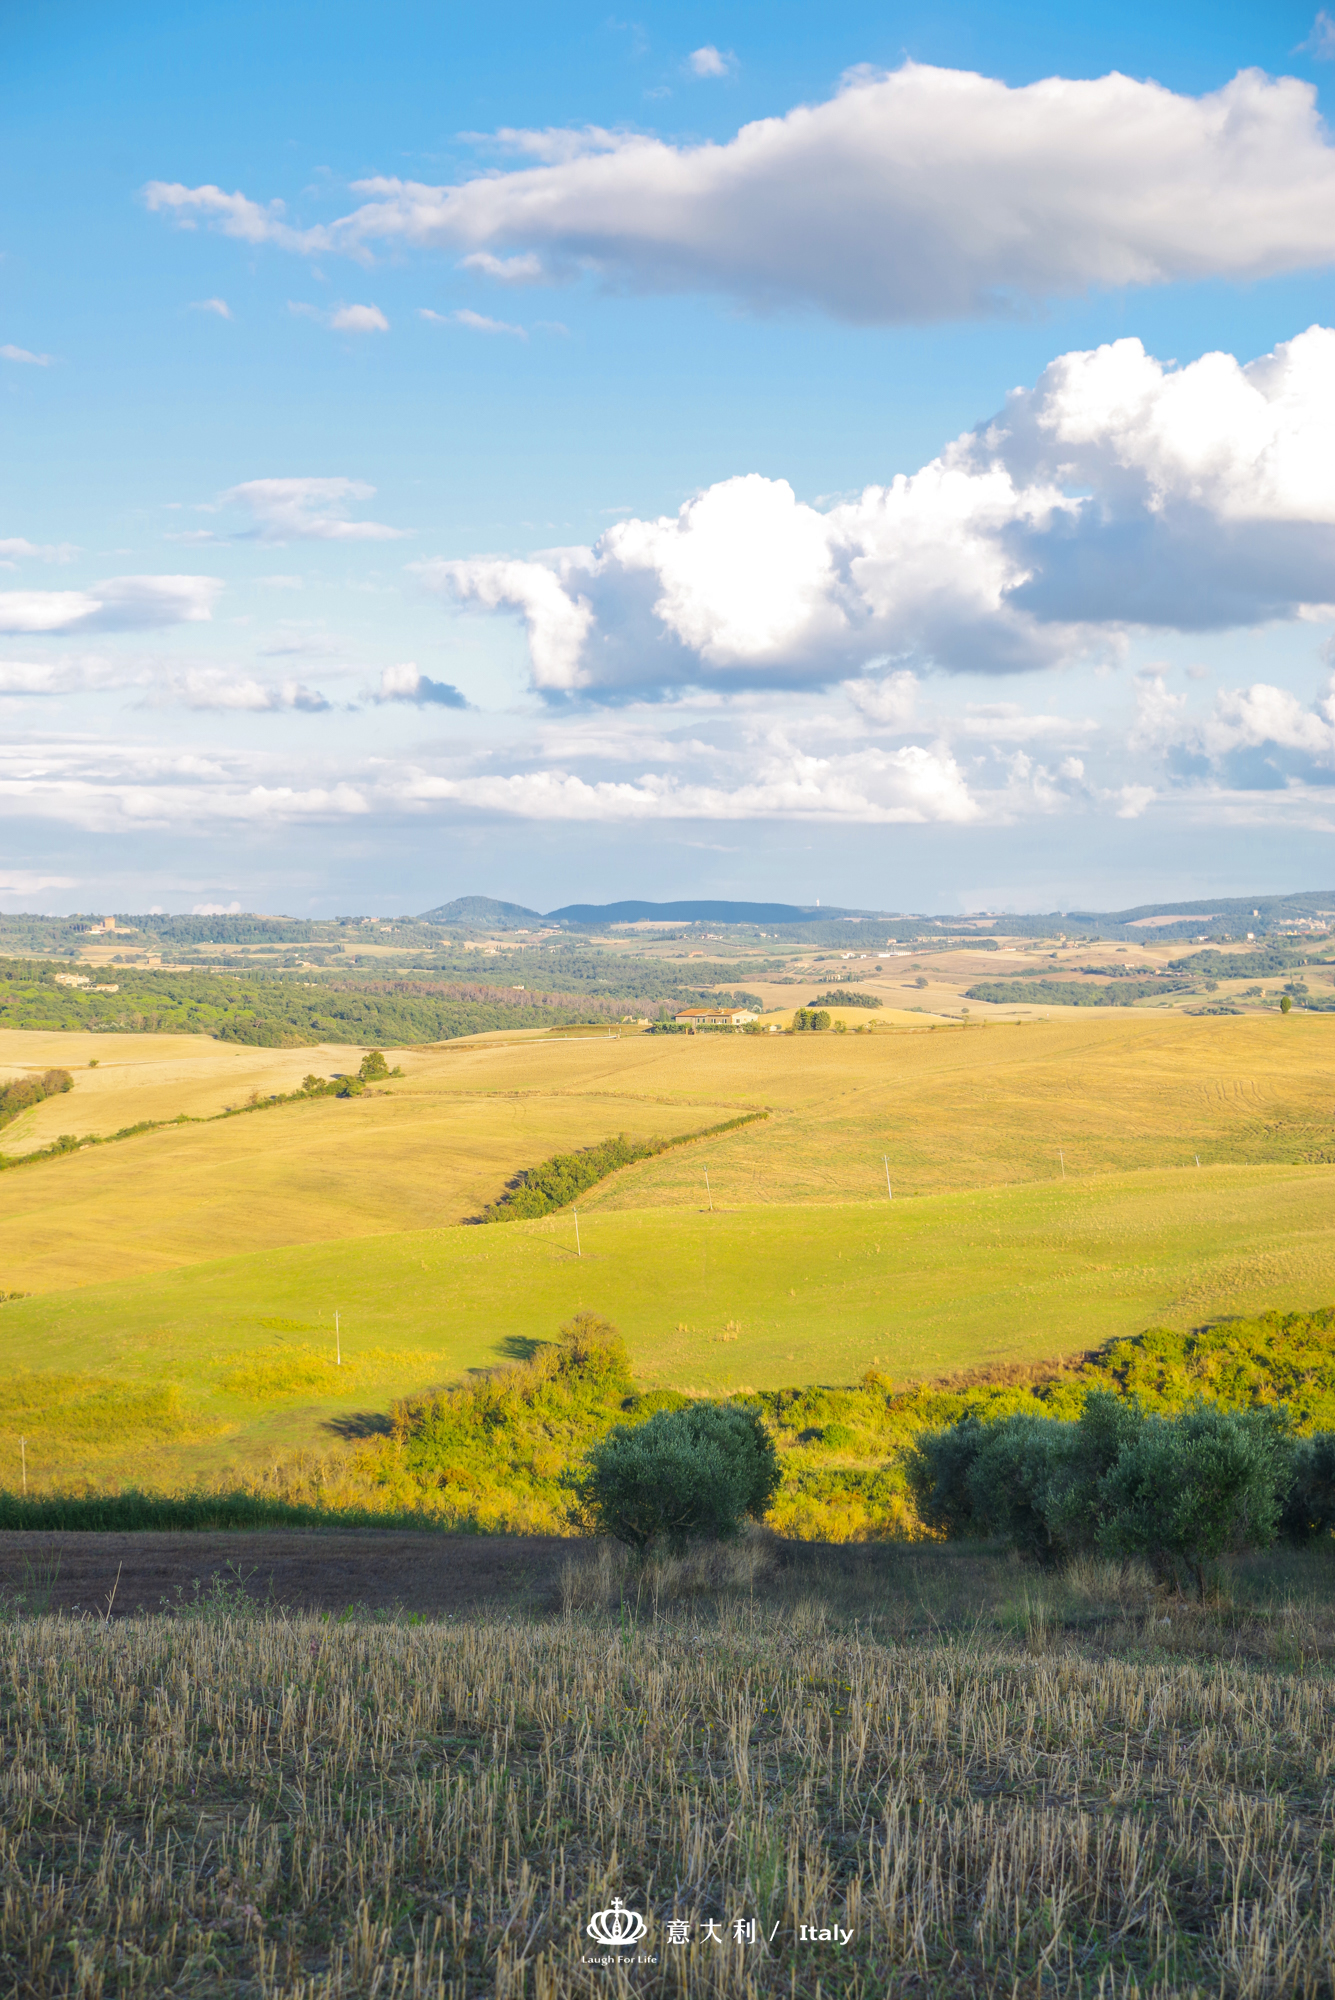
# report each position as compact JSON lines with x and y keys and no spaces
{"x":121,"y":604}
{"x":709,"y":62}
{"x":405,"y":683}
{"x":1117,"y":494}
{"x":216,"y":688}
{"x":558,"y":624}
{"x":23,"y":882}
{"x":908,"y":196}
{"x":103,"y":785}
{"x":234,"y":214}
{"x":358,"y":319}
{"x":215,"y":909}
{"x":1259,"y":716}
{"x":307,"y":510}
{"x":218,"y":306}
{"x":475,"y":321}
{"x":17,"y":548}
{"x":24,"y":355}
{"x":341,"y":319}
{"x":1321,"y":41}
{"x":890,"y":702}
{"x":1007,"y":722}
{"x":526,"y":268}
{"x":912,"y":786}
{"x":70,"y":673}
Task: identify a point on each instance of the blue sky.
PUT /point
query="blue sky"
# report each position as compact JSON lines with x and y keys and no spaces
{"x":356,"y":372}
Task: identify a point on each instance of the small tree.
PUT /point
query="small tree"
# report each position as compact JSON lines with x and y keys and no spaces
{"x":1285,"y":1003}
{"x":1190,"y":1490}
{"x":686,"y":1475}
{"x":373,"y":1067}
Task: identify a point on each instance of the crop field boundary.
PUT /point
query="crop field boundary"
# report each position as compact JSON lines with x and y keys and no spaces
{"x":559,"y":1180}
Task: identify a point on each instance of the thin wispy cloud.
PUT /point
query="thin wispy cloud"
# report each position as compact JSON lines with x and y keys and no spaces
{"x":1321,"y":41}
{"x":476,"y":322}
{"x":17,"y":548}
{"x":119,"y":604}
{"x":219,"y":307}
{"x":342,"y":319}
{"x":316,"y":510}
{"x":23,"y":355}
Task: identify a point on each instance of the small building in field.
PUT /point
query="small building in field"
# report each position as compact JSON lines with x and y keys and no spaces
{"x":714,"y":1017}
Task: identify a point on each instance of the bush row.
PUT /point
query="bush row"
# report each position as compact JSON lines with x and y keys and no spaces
{"x":558,"y":1181}
{"x":1180,"y":1490}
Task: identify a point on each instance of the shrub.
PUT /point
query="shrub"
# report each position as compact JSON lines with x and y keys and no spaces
{"x":1184,"y":1490}
{"x":26,"y":1091}
{"x":810,"y":1018}
{"x":937,"y":1466}
{"x":1204,"y":1485}
{"x":373,"y":1067}
{"x":687,"y":1475}
{"x":1309,"y":1505}
{"x":1019,"y":1477}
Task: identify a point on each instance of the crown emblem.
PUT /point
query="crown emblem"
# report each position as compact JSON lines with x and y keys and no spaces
{"x":617,"y":1925}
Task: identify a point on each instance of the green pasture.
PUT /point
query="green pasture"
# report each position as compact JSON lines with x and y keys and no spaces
{"x":187,"y":1374}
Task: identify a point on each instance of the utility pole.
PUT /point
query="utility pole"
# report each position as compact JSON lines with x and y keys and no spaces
{"x":338,"y":1344}
{"x":578,"y":1251}
{"x":889,"y":1191}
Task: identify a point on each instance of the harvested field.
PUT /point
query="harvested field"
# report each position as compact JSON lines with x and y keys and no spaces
{"x":431,"y":1575}
{"x":983,"y":1782}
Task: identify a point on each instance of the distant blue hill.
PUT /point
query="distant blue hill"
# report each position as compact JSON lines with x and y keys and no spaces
{"x":481,"y":913}
{"x":695,"y":913}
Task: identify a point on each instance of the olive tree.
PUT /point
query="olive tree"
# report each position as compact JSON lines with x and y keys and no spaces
{"x":687,"y":1475}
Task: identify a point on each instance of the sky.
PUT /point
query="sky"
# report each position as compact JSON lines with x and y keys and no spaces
{"x":877,"y":454}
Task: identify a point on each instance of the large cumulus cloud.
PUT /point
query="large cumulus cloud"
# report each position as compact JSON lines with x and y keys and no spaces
{"x":911,"y":195}
{"x":1117,"y":493}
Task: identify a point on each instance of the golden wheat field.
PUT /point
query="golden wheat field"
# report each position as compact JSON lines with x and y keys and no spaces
{"x":792,"y":1792}
{"x":1046,"y":1195}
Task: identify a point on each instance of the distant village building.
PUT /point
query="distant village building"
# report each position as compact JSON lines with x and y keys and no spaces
{"x":714,"y":1017}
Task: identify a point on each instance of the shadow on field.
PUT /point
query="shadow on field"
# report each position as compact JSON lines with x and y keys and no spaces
{"x":1276,"y":1609}
{"x":361,"y":1424}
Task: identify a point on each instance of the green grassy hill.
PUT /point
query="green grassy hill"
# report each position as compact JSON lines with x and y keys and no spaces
{"x":760,"y":1298}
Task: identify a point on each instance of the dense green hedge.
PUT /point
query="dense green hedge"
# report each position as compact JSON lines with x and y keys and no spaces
{"x":132,"y":1512}
{"x":561,"y":1179}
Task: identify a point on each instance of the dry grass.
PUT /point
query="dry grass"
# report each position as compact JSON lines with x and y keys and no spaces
{"x":226,"y":1803}
{"x":420,"y":1153}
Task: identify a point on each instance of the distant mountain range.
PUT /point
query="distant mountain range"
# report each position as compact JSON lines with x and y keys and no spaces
{"x":483,"y":913}
{"x":1214,"y":916}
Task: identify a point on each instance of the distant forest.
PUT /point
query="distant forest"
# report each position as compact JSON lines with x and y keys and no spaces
{"x":271,"y":1012}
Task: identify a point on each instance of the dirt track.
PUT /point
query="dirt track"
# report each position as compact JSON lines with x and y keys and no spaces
{"x":303,"y":1570}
